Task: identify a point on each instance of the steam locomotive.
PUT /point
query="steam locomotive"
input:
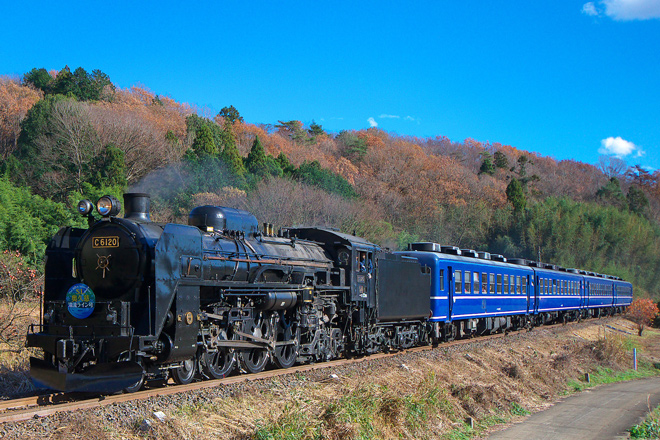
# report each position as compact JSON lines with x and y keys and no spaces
{"x":129,"y":300}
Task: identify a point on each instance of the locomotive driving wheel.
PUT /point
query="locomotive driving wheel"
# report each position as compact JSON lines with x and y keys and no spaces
{"x":184,"y":374}
{"x":217,"y":362}
{"x":285,"y":355}
{"x":254,"y":360}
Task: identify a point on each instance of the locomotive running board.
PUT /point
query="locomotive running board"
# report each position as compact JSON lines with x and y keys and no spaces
{"x":102,"y":378}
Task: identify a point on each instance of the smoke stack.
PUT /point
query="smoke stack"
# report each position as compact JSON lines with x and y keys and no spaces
{"x":136,"y":207}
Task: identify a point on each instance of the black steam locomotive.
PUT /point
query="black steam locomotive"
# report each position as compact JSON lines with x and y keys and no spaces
{"x":129,"y":300}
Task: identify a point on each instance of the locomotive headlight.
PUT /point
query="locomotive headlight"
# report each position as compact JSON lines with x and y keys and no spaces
{"x":108,"y":206}
{"x":85,"y":207}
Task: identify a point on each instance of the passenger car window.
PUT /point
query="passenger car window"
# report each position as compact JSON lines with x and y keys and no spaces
{"x":468,"y":279}
{"x":442,"y":279}
{"x":458,"y":281}
{"x":491,"y":278}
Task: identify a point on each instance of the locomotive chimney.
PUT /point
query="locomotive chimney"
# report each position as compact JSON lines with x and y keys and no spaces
{"x":136,"y":207}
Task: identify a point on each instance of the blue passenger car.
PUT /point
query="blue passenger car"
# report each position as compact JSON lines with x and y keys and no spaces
{"x":622,"y":294}
{"x":473,"y":292}
{"x":600,"y":293}
{"x":559,"y":293}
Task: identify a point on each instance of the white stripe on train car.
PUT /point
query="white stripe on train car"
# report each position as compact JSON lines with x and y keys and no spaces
{"x":512,"y":312}
{"x":478,"y":296}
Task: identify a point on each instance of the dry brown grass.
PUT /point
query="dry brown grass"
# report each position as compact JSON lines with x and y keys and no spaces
{"x":14,"y":357}
{"x":428,"y":397}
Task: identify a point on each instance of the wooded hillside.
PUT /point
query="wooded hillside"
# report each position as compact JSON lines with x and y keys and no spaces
{"x":68,"y":135}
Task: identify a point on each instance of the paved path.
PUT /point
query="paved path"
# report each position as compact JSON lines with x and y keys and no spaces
{"x":601,"y":413}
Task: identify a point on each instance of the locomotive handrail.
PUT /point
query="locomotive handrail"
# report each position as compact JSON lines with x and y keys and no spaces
{"x":278,"y":261}
{"x":238,"y":254}
{"x":92,"y":329}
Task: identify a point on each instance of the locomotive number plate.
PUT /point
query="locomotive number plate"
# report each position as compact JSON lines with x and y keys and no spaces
{"x":105,"y":242}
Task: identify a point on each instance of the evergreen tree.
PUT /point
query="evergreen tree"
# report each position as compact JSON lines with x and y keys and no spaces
{"x":515,"y":195}
{"x":65,"y":84}
{"x":231,"y":114}
{"x":501,"y":160}
{"x":79,"y":84}
{"x":284,"y":163}
{"x":204,"y":145}
{"x":85,"y":92}
{"x":32,"y":167}
{"x":256,"y":161}
{"x":273,"y":167}
{"x":99,"y":81}
{"x":522,"y":165}
{"x":230,"y":153}
{"x":522,"y":162}
{"x":487,"y":166}
{"x":315,"y":130}
{"x":313,"y":174}
{"x":354,"y":147}
{"x":611,"y":193}
{"x":39,"y":78}
{"x":294,"y":129}
{"x":637,"y":201}
{"x":111,"y":168}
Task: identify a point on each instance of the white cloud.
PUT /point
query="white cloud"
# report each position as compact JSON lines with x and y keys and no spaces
{"x":372,"y":122}
{"x":624,"y":9}
{"x":619,"y":147}
{"x":590,"y":9}
{"x":632,"y":9}
{"x":409,"y":118}
{"x":383,"y":116}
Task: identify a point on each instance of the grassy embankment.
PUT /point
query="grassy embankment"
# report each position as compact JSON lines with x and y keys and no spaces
{"x":425,"y":395}
{"x":431,"y":396}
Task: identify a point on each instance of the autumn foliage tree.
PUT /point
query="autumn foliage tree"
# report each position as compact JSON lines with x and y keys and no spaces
{"x":15,"y":101}
{"x":642,"y":312}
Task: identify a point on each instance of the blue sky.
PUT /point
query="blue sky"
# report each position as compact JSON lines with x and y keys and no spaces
{"x":562,"y":78}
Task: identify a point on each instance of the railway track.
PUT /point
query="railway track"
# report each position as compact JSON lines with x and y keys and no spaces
{"x":17,"y":410}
